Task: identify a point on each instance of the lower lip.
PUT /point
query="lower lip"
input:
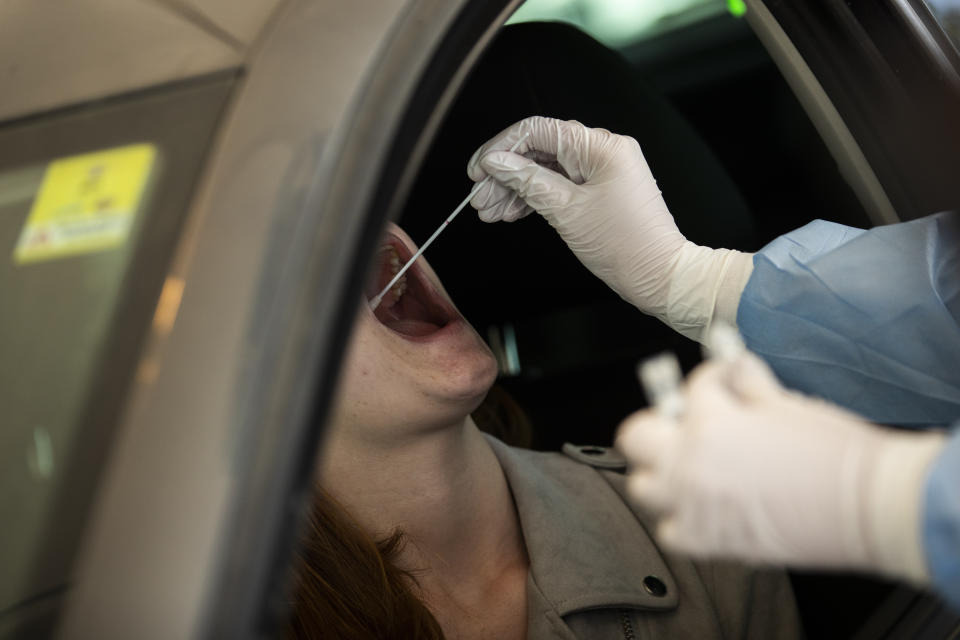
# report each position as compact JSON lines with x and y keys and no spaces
{"x":452,"y":327}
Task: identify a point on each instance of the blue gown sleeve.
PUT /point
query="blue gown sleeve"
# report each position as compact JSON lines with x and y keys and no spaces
{"x":869,"y":320}
{"x":941,"y":522}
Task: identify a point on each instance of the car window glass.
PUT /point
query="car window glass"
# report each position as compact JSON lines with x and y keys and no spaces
{"x":65,"y":226}
{"x":91,"y":202}
{"x":947,"y":13}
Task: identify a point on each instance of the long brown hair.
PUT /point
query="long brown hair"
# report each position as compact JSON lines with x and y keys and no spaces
{"x":347,"y":586}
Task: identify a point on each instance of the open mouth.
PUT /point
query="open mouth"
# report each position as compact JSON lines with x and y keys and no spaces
{"x":412,"y":307}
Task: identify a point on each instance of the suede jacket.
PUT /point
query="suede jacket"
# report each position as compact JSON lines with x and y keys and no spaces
{"x":595,"y":572}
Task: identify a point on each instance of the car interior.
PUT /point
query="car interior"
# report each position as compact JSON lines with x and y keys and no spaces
{"x":82,"y":340}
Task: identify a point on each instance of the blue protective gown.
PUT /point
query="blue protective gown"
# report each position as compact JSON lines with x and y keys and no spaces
{"x":871,"y":321}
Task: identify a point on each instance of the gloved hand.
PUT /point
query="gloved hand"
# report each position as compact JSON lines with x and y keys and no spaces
{"x":753,"y":471}
{"x":596,"y":190}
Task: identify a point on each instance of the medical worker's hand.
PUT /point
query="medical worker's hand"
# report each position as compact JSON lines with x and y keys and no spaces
{"x":595,"y":188}
{"x":755,"y":472}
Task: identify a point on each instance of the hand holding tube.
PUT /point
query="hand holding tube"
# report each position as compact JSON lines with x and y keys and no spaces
{"x":753,"y":471}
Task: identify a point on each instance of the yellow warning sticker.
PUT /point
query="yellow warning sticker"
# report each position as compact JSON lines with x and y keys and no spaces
{"x":86,"y":203}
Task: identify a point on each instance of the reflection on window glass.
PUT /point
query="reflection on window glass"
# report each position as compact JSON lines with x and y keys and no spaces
{"x":620,"y":22}
{"x":67,"y":231}
{"x":947,"y":13}
{"x":92,"y":199}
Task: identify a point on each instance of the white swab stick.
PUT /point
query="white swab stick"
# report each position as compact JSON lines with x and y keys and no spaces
{"x":375,"y":302}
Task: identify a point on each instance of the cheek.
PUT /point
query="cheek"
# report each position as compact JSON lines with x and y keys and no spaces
{"x":361,"y":367}
{"x":366,"y":397}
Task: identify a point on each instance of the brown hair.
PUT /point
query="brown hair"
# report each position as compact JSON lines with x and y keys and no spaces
{"x":502,"y":417}
{"x":348,"y":586}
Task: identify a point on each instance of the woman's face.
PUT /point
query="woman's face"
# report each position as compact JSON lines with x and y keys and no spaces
{"x":414,"y":363}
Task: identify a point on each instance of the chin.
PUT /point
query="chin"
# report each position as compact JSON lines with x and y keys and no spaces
{"x":470,"y":384}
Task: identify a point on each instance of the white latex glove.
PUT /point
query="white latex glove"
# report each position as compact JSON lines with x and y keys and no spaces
{"x":595,"y":188}
{"x":752,"y":471}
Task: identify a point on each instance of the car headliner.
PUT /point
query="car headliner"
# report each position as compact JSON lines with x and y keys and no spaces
{"x":56,"y":54}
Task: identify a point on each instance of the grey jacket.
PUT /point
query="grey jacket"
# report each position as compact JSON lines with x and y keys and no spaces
{"x":595,"y":573}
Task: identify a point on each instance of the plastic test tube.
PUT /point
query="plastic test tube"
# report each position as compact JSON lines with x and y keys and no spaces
{"x":662,"y":377}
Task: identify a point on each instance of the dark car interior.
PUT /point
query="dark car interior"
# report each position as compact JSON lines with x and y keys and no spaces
{"x":738,"y":162}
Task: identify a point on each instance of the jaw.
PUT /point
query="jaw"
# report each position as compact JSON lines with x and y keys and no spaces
{"x":414,"y":364}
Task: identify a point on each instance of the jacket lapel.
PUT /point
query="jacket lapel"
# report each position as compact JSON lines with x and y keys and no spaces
{"x":587,"y":549}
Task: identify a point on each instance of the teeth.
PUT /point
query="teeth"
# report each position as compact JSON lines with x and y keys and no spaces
{"x":394,"y":262}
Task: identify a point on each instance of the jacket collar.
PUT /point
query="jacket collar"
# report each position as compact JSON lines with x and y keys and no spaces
{"x":587,"y":549}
